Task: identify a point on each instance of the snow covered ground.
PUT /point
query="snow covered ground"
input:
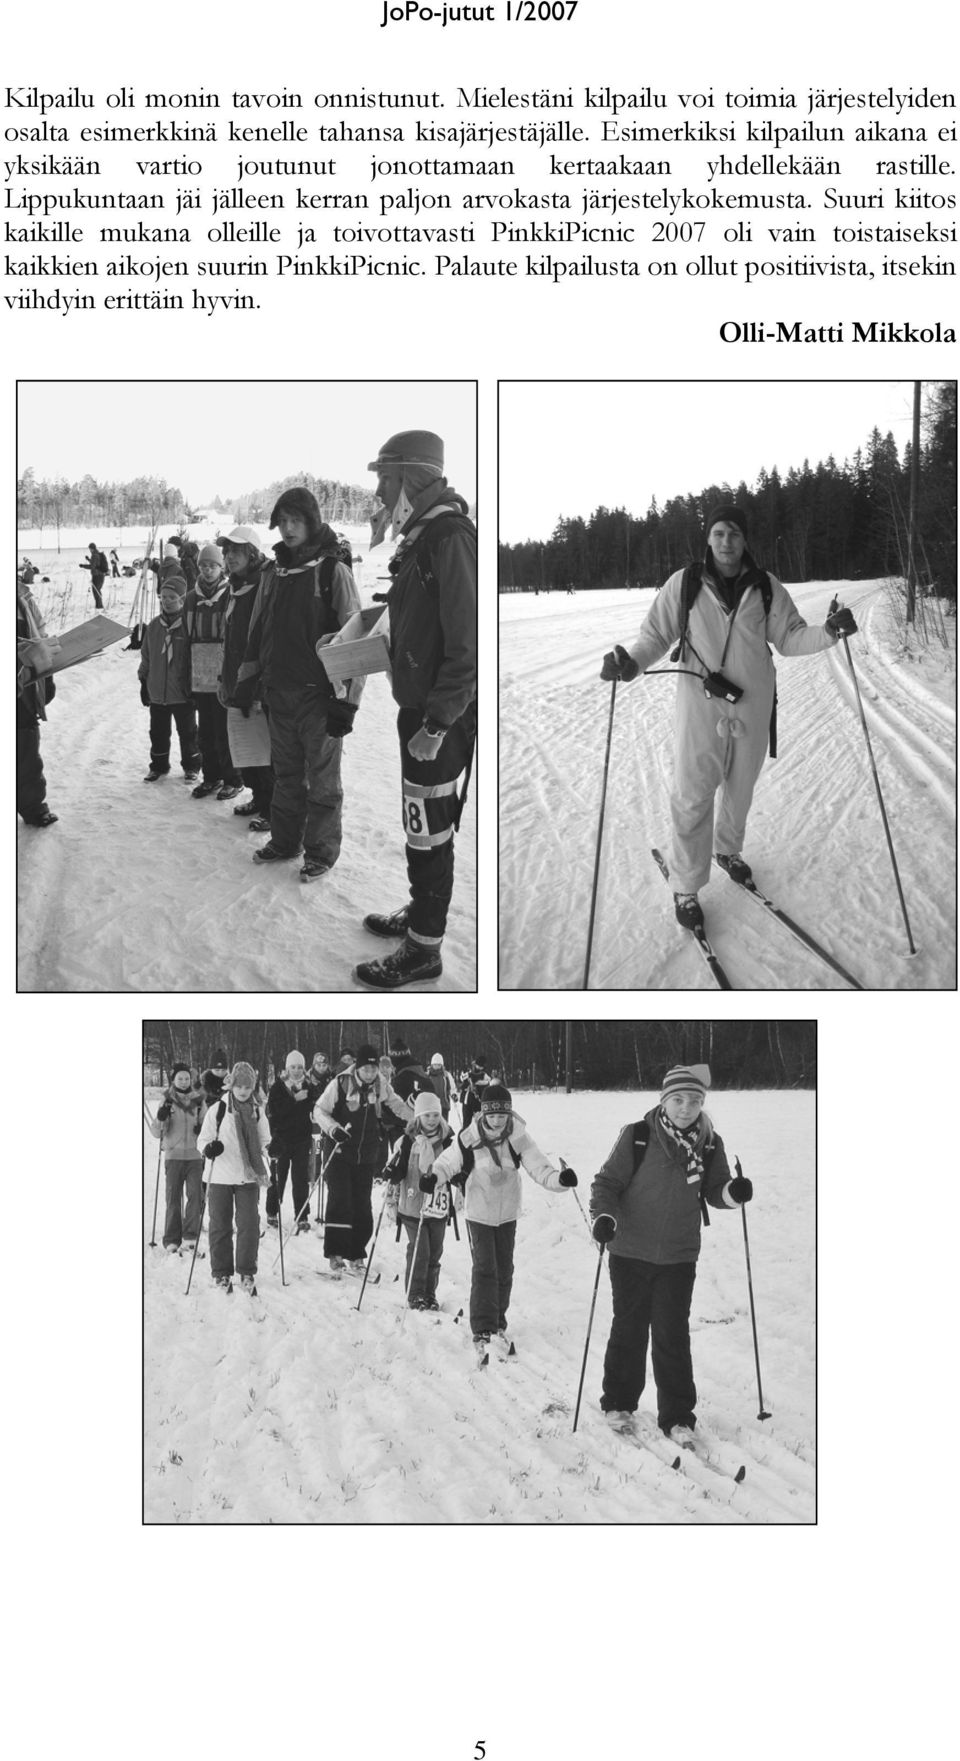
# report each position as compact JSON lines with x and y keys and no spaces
{"x":145,"y":889}
{"x":815,"y":836}
{"x":319,"y":1414}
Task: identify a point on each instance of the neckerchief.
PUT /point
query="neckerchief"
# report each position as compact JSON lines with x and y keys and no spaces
{"x":691,"y":1141}
{"x":168,"y":629}
{"x":245,"y":1115}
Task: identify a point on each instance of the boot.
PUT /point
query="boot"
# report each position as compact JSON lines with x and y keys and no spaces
{"x":736,"y":868}
{"x":154,"y":776}
{"x":227,"y":791}
{"x":269,"y":853}
{"x":203,"y":789}
{"x":411,"y":964}
{"x":393,"y":925}
{"x":244,"y":809}
{"x":687,"y":909}
{"x":311,"y":869}
{"x":259,"y":823}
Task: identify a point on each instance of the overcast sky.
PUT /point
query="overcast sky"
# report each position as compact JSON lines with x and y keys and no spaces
{"x":566,"y":449}
{"x":210,"y":439}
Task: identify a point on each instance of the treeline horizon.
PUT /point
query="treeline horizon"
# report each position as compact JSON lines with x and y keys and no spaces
{"x":604,"y":1054}
{"x":823,"y":522}
{"x":151,"y":501}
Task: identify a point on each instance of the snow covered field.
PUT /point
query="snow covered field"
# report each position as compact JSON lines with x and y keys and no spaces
{"x":145,"y":889}
{"x":814,"y":837}
{"x":319,"y":1414}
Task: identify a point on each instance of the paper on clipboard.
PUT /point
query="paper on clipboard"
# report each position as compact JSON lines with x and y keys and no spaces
{"x":85,"y":640}
{"x":361,"y":647}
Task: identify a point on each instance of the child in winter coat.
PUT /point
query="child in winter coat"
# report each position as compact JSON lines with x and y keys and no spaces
{"x":177,"y":1125}
{"x":164,"y":674}
{"x":486,"y":1159}
{"x":203,"y":615}
{"x":232,"y":1141}
{"x":423,"y":1206}
{"x":647,"y":1204}
{"x":349,"y":1112}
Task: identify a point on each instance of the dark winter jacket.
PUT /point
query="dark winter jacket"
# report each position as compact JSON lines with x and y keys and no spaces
{"x":168,"y":680}
{"x":656,"y":1207}
{"x":304,"y":598}
{"x":289,"y":1114}
{"x":433,"y":609}
{"x":471,"y":1092}
{"x":237,"y":613}
{"x":410,"y":1079}
{"x":212,"y":1086}
{"x":357,"y":1109}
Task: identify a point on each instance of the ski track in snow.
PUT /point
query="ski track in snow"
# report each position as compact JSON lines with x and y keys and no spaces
{"x":322,"y":1414}
{"x":815,"y":835}
{"x":142,"y":888}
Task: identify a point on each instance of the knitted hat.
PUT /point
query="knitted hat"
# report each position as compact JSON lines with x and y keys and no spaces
{"x":415,"y":446}
{"x":733,"y":516}
{"x":399,"y":1049}
{"x":298,"y":500}
{"x":321,"y":1058}
{"x":367,"y":1054}
{"x":684,"y":1078}
{"x":497,"y":1099}
{"x":211,"y":554}
{"x":345,"y":1060}
{"x":170,"y":549}
{"x":426,"y":1102}
{"x":177,"y":1069}
{"x":174,"y":584}
{"x":295,"y":1061}
{"x":243,"y":1076}
{"x":436,"y":1060}
{"x":219,"y":1059}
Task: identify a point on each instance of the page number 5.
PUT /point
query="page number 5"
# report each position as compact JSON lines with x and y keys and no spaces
{"x":480,"y":1750}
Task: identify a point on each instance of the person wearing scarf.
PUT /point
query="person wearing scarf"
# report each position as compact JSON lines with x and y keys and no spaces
{"x":719,"y":746}
{"x":176,"y":1125}
{"x":244,"y":562}
{"x":35,"y":652}
{"x":289,"y":1106}
{"x":164,"y":674}
{"x":233,"y":1140}
{"x":349,"y":1113}
{"x":485,"y":1159}
{"x":647,"y":1203}
{"x":425,"y":1138}
{"x":433,"y":656}
{"x":203,"y":614}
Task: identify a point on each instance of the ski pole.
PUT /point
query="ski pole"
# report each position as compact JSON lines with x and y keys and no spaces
{"x":596,"y":865}
{"x":753,"y":1316}
{"x":593,"y":1304}
{"x":276,"y":1188}
{"x":203,"y":1205}
{"x":413,"y":1267}
{"x":876,"y":781}
{"x":576,"y":1195}
{"x":156,"y":1196}
{"x":373,"y":1245}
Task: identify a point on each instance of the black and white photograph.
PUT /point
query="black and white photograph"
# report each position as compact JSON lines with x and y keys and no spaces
{"x":727,"y":685}
{"x":246,"y":685}
{"x":491,"y":1272}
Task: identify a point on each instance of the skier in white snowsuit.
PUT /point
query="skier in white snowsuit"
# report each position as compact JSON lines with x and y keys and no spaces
{"x":718,"y":744}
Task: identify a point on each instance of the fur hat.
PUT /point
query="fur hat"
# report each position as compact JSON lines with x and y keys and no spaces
{"x":685,"y":1079}
{"x":243,"y":1076}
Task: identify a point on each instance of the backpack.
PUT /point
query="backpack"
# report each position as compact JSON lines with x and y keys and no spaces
{"x":689,"y":588}
{"x":641,"y":1139}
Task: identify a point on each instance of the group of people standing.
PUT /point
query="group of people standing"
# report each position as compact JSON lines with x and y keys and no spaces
{"x":235,"y":662}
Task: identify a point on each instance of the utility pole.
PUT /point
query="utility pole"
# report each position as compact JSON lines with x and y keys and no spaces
{"x":569,"y":1055}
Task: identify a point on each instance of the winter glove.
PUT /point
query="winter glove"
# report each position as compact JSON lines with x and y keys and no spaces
{"x":741,"y":1189}
{"x":213,"y":1150}
{"x":567,"y":1177}
{"x":604,"y":1230}
{"x":840,"y":621}
{"x":245,"y":694}
{"x":164,"y":1111}
{"x":144,"y":694}
{"x":618,"y":665}
{"x":428,"y":1182}
{"x":459,"y":1180}
{"x":340,"y":716}
{"x":339,"y":1133}
{"x":425,"y":745}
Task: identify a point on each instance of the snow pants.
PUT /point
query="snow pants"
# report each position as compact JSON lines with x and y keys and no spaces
{"x":216,"y":762}
{"x":420,"y":1279}
{"x":650,"y":1302}
{"x":294,"y":1160}
{"x":431,"y":815}
{"x":307,"y":803}
{"x":31,"y":782}
{"x":349,"y":1214}
{"x":492,"y":1280}
{"x":161,"y":717}
{"x":221,"y":1201}
{"x":715,"y":749}
{"x":180,"y":1226}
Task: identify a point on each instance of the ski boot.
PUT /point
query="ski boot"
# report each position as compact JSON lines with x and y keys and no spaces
{"x":224,"y":1283}
{"x":247,"y":1284}
{"x":687,"y":910}
{"x":736,"y":868}
{"x":481,"y":1346}
{"x":624,"y":1423}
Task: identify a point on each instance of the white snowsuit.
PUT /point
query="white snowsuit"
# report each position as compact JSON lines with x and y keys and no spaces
{"x":720,"y":745}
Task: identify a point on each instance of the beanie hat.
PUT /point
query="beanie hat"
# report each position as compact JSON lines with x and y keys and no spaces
{"x":426,"y":1102}
{"x":683,"y":1078}
{"x":170,"y":549}
{"x":211,"y":554}
{"x":367,"y":1054}
{"x":415,"y":446}
{"x":177,"y":1069}
{"x":733,"y":516}
{"x":243,"y":1076}
{"x":174,"y":584}
{"x":399,"y":1049}
{"x":295,"y":1061}
{"x":497,"y":1099}
{"x":437,"y":1058}
{"x":219,"y":1059}
{"x":299,"y":501}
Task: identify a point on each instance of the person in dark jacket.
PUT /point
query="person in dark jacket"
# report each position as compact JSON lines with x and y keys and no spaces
{"x":35,"y":689}
{"x":289,"y":1105}
{"x":472,"y":1089}
{"x":164,"y":674}
{"x":433,"y":652}
{"x":244,"y":562}
{"x":647,"y":1203}
{"x":305,"y":597}
{"x":203,"y":615}
{"x":214,"y":1078}
{"x":98,"y":566}
{"x":349,"y":1112}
